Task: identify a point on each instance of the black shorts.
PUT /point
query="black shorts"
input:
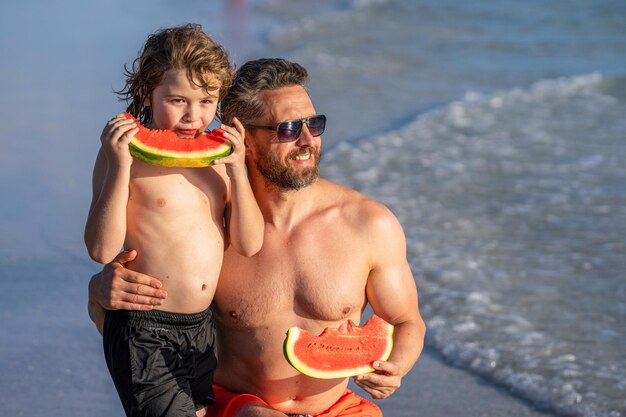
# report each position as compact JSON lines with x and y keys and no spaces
{"x":162,"y":363}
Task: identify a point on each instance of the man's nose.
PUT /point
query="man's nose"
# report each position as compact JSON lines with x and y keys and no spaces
{"x":305,"y":137}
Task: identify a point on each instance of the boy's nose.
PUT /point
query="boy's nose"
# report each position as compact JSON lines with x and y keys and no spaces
{"x":192,"y":114}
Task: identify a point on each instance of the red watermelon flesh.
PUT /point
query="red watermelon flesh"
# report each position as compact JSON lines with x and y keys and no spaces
{"x":166,"y":148}
{"x":339,"y":353}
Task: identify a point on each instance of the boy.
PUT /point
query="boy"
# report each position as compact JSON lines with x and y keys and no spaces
{"x":178,"y":219}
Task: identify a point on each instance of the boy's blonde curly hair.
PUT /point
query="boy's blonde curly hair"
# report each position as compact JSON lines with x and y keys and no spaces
{"x":185,"y":47}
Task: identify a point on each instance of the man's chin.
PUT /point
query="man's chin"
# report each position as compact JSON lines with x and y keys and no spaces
{"x":291,"y":182}
{"x":302,"y":184}
{"x":287,"y":177}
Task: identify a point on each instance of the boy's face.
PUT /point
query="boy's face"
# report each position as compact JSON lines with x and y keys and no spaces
{"x":180,"y":105}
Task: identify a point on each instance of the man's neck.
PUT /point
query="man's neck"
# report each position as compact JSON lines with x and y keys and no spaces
{"x":285,"y":208}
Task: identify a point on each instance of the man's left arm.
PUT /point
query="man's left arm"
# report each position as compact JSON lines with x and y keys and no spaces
{"x":392,"y":293}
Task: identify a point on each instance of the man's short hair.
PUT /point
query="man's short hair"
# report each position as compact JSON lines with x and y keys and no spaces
{"x":243,"y":98}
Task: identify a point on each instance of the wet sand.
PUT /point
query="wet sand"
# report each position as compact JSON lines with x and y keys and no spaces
{"x":435,"y":389}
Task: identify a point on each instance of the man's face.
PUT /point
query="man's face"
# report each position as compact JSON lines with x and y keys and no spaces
{"x":288,"y":165}
{"x":281,"y":172}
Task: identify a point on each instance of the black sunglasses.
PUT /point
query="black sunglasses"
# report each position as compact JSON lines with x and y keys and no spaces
{"x":290,"y":130}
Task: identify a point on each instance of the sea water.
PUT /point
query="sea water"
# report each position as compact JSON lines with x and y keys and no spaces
{"x":495,"y":131}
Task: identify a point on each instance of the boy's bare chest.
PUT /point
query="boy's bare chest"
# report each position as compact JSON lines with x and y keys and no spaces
{"x":173,"y":189}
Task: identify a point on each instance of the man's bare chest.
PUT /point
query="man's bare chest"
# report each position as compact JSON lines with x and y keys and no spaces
{"x":317,"y":279}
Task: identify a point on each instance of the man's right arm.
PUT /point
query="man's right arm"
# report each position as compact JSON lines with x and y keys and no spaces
{"x":118,"y":288}
{"x":392,"y":293}
{"x":95,"y":310}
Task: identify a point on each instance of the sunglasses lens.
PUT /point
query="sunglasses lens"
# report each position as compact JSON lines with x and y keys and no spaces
{"x":289,"y":131}
{"x":317,"y":124}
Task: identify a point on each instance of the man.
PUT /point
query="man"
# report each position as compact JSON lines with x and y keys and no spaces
{"x":327,"y":252}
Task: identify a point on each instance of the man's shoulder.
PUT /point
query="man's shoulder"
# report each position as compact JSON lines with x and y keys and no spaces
{"x":370,"y":223}
{"x":356,"y":205}
{"x":340,"y":194}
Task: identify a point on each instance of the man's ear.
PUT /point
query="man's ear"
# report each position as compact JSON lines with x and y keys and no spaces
{"x":249,"y":145}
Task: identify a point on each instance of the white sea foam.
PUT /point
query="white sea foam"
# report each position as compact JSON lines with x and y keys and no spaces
{"x":511,"y":203}
{"x":512,"y":198}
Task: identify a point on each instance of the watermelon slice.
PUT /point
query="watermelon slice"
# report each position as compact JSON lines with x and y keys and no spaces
{"x":165,"y":148}
{"x":339,"y":353}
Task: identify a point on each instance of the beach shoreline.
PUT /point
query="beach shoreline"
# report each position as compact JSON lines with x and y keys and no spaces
{"x":435,"y":389}
{"x":494,"y":132}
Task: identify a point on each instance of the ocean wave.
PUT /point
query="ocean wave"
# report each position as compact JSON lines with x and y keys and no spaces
{"x":513,"y":205}
{"x":320,"y":21}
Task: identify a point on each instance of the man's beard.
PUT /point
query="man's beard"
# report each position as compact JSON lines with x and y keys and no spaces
{"x":284,"y":176}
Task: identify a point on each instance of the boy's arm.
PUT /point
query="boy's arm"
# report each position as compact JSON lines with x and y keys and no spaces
{"x":106,"y":223}
{"x":243,"y":217}
{"x":392,"y":293}
{"x":244,"y":221}
{"x":105,"y":230}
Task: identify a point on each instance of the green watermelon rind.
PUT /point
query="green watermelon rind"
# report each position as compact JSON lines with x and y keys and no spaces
{"x":293,"y":334}
{"x":157,"y":157}
{"x":167,"y":158}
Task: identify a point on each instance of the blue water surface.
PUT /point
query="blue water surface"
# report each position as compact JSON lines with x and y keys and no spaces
{"x":494,"y":130}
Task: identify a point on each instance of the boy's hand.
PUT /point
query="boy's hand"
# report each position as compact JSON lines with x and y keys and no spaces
{"x":115,"y":138}
{"x":236,"y":136}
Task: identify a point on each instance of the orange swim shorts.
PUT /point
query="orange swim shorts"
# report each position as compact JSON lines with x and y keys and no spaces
{"x":227,"y":404}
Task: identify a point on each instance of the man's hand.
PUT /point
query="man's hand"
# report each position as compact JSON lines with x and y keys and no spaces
{"x":381,"y":383}
{"x":118,"y":288}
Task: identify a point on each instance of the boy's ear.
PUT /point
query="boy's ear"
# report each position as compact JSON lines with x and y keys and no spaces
{"x":145,"y":98}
